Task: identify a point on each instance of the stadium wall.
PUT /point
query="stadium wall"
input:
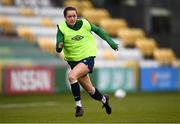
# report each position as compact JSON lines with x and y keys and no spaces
{"x":53,"y":79}
{"x":15,"y":80}
{"x":0,"y":79}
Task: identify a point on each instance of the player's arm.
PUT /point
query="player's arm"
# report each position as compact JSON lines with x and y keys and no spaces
{"x":59,"y":41}
{"x":100,"y":32}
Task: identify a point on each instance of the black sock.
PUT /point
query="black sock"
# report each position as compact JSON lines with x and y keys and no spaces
{"x":75,"y":88}
{"x":97,"y":95}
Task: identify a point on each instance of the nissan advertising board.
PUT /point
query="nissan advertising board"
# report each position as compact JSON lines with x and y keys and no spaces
{"x":22,"y":80}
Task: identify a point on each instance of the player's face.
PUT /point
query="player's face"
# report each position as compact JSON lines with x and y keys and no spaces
{"x":71,"y":17}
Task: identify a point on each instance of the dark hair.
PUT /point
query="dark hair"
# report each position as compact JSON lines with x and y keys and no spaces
{"x":69,"y":8}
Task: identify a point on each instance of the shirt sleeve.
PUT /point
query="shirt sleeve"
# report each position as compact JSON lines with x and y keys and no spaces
{"x":59,"y":38}
{"x":101,"y":33}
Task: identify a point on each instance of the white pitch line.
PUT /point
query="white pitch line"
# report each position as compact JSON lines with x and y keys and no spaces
{"x":26,"y":105}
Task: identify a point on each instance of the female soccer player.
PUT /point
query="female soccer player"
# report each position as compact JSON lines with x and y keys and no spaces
{"x":74,"y":37}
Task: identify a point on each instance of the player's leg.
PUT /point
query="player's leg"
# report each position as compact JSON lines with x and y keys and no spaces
{"x":94,"y":93}
{"x":78,"y":71}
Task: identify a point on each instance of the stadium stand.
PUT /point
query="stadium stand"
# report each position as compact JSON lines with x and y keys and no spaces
{"x":80,"y":5}
{"x":113,"y":25}
{"x":7,"y":2}
{"x":27,"y":12}
{"x":129,"y":36}
{"x":164,"y":56}
{"x":19,"y":52}
{"x":35,"y":21}
{"x":46,"y":44}
{"x":25,"y":33}
{"x":95,"y":15}
{"x":6,"y":24}
{"x":146,"y":46}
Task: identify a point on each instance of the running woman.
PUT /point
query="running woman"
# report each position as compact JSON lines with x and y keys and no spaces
{"x":74,"y":37}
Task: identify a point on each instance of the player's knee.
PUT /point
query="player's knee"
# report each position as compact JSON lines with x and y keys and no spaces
{"x":71,"y":77}
{"x":91,"y":90}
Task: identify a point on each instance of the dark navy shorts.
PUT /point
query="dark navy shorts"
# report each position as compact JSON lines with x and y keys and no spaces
{"x":87,"y":61}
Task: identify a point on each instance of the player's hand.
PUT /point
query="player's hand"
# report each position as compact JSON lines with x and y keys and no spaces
{"x":115,"y":46}
{"x":60,"y":45}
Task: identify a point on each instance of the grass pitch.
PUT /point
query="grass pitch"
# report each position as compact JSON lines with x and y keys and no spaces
{"x":135,"y":107}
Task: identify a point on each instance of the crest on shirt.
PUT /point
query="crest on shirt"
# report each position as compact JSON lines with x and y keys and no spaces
{"x":77,"y":37}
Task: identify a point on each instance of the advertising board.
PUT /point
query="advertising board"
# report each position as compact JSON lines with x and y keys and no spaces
{"x":159,"y":79}
{"x":110,"y":79}
{"x":0,"y":79}
{"x":21,"y":80}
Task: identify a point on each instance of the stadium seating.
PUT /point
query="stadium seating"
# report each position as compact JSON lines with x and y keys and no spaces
{"x":86,"y":5}
{"x":113,"y":25}
{"x":80,"y":5}
{"x":129,"y":36}
{"x":42,"y":24}
{"x":15,"y":51}
{"x":74,"y":3}
{"x":6,"y":25}
{"x":46,"y":44}
{"x":7,"y":2}
{"x":27,"y":12}
{"x":95,"y":15}
{"x":146,"y":46}
{"x":108,"y":55}
{"x":38,"y":26}
{"x":47,"y":22}
{"x":165,"y":56}
{"x":25,"y":33}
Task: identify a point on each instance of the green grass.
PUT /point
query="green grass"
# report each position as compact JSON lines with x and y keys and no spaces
{"x":135,"y":107}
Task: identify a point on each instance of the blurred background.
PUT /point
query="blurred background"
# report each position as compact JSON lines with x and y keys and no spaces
{"x":147,"y":31}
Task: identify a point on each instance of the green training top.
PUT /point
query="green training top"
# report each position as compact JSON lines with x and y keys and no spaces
{"x":73,"y":48}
